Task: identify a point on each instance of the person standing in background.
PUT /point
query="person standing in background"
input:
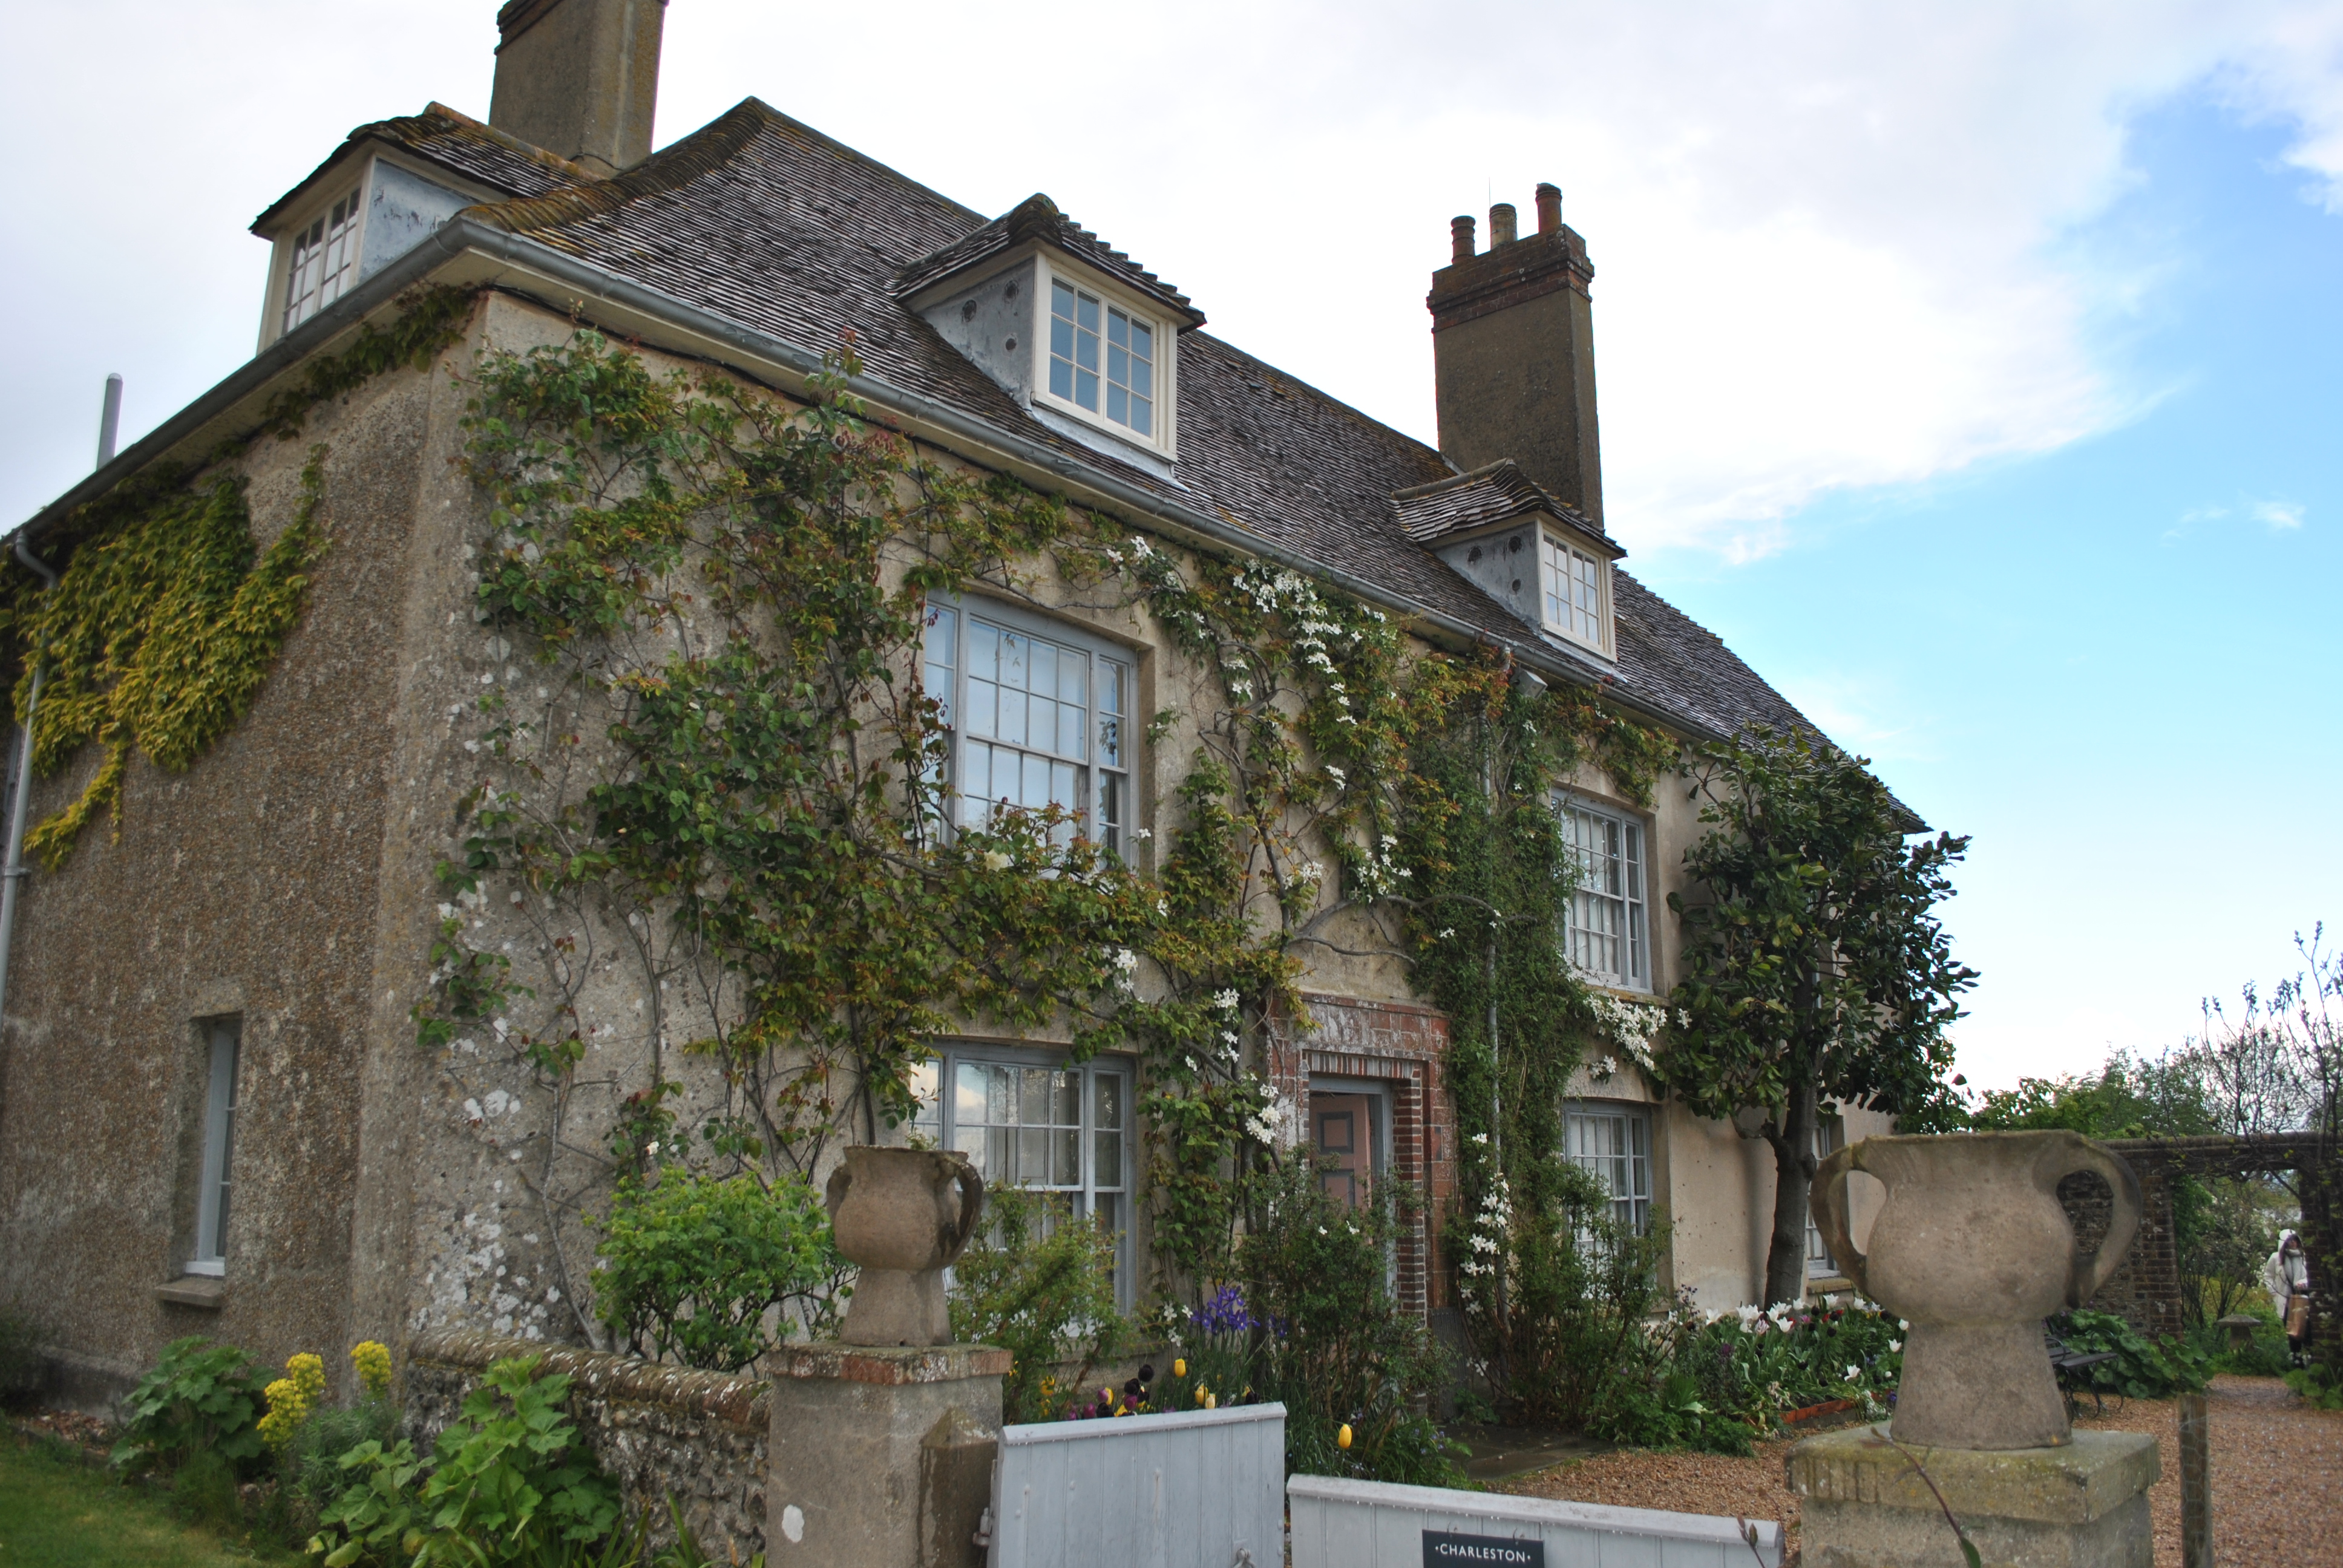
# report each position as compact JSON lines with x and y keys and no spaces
{"x":2288,"y":1277}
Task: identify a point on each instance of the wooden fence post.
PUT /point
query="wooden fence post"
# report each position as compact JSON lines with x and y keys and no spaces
{"x":2195,"y":1484}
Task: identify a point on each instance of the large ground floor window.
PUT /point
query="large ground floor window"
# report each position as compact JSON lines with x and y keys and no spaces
{"x":1830,"y":1132}
{"x":1031,"y":1118}
{"x":1612,"y":1142}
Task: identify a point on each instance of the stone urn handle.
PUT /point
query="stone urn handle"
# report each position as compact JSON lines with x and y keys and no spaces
{"x":1828,"y":1197}
{"x":2092,"y":1268}
{"x":971,"y":1206}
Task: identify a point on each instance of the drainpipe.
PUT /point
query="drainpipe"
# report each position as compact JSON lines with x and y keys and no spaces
{"x":12,"y":879}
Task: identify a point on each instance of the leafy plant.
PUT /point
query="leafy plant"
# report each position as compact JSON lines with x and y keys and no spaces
{"x":691,"y":1265}
{"x":1040,"y":1283}
{"x":1814,"y":965}
{"x":2143,"y":1368}
{"x":1331,"y":1342}
{"x":509,"y":1483}
{"x":199,"y":1397}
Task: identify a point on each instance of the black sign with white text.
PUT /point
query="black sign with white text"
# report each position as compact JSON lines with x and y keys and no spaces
{"x":1442,"y":1550}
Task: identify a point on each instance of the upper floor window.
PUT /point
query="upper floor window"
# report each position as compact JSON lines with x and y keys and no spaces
{"x":1613,"y":1143}
{"x":1102,"y":358}
{"x":324,"y":260}
{"x":1572,"y":591}
{"x":1036,"y":718}
{"x":1605,"y":919}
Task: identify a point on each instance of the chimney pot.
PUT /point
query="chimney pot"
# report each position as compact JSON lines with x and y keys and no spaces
{"x":1549,"y":206}
{"x":1502,"y":222}
{"x":1460,"y":239}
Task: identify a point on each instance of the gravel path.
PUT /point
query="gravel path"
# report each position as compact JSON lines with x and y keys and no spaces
{"x":2277,"y":1478}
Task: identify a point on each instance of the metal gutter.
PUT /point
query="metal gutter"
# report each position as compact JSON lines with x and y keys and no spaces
{"x":538,"y":264}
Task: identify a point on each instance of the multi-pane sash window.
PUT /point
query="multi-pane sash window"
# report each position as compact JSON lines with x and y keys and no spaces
{"x":219,"y":1150}
{"x":325,"y":261}
{"x":1573,"y":584}
{"x":1614,"y":1144}
{"x":1606,"y":918}
{"x":1041,"y":1124}
{"x":1830,"y":1131}
{"x":1036,"y":721}
{"x":1122,"y":376}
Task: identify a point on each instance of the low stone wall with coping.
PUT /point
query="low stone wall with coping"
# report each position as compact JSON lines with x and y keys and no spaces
{"x":657,"y":1431}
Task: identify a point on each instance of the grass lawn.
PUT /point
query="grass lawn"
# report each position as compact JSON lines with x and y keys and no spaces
{"x":58,"y":1513}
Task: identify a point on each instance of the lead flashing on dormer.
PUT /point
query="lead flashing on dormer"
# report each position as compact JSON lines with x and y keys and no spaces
{"x":1037,"y":224}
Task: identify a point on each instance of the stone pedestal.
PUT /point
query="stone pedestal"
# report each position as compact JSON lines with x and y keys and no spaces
{"x":882,"y":1458}
{"x":2083,"y":1504}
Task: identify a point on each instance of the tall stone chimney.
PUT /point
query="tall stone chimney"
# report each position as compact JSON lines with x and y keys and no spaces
{"x":579,"y":78}
{"x":1512,"y":348}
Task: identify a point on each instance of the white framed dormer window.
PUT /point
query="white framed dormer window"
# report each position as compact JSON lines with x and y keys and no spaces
{"x":1607,"y":922}
{"x":323,"y":260}
{"x":1038,"y":715}
{"x":217,"y":1181}
{"x":1103,"y":358}
{"x":1575,"y":592}
{"x":1031,"y":1118}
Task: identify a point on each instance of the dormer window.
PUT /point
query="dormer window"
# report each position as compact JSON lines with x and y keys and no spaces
{"x":1074,"y":359}
{"x":324,"y":260}
{"x":1572,"y":583}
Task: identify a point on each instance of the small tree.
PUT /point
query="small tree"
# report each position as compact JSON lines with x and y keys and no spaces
{"x":1814,"y":963}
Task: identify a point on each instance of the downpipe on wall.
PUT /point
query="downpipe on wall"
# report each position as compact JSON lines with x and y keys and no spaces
{"x":12,"y":878}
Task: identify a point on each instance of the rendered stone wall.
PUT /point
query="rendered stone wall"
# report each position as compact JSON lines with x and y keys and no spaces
{"x":659,"y":1431}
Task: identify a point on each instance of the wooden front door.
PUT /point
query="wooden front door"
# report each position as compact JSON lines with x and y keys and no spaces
{"x":1342,"y":1129}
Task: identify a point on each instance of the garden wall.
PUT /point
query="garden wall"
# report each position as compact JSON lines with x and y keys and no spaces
{"x":659,"y":1431}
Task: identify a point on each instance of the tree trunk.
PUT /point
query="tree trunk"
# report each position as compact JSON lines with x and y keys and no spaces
{"x":1793,"y":1174}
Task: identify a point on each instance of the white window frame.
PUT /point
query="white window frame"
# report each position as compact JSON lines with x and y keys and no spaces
{"x":1108,"y":808}
{"x":343,"y":244}
{"x":1581,"y":937}
{"x":1564,"y":567}
{"x":1611,"y":1140}
{"x":1830,"y":1136}
{"x":215,"y":1186}
{"x":1164,"y":437}
{"x":939,"y":1120}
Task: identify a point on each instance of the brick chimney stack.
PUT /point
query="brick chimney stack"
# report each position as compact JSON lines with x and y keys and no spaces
{"x":580,"y":78}
{"x":1512,"y":346}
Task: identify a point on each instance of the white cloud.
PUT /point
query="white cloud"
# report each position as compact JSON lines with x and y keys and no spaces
{"x":2281,"y":515}
{"x":1828,"y":232}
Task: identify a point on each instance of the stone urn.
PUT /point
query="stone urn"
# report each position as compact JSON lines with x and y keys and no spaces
{"x":904,"y":1215}
{"x":1974,"y":1250}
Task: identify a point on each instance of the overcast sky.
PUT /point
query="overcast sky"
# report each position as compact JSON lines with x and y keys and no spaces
{"x":1971,"y":369}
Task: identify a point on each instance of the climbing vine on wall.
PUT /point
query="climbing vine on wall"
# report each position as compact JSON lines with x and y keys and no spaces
{"x":167,"y":618}
{"x":708,"y":756}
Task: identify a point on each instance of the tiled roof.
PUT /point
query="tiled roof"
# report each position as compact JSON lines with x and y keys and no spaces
{"x":1037,"y":218}
{"x":776,"y":226}
{"x":460,"y":145}
{"x":1495,"y":492}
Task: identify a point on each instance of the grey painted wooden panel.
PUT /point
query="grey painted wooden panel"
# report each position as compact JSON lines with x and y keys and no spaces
{"x":1199,"y":1489}
{"x":1368,"y":1524}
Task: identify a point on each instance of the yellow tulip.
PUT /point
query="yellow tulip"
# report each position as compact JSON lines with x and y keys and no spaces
{"x":1211,"y":1402}
{"x":1342,"y":1438}
{"x":1179,"y":1367}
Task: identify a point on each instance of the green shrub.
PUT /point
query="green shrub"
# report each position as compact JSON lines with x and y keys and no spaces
{"x":200,"y":1396}
{"x":2142,"y":1368}
{"x":689,"y":1266}
{"x":2264,"y":1353}
{"x":508,"y":1485}
{"x":1330,"y":1341}
{"x":2318,"y":1384}
{"x":1720,"y":1382}
{"x":1040,"y":1283}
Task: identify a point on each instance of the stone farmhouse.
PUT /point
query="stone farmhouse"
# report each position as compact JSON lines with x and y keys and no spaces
{"x":215,"y":1114}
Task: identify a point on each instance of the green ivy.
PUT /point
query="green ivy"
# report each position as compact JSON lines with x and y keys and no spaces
{"x":166,"y":619}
